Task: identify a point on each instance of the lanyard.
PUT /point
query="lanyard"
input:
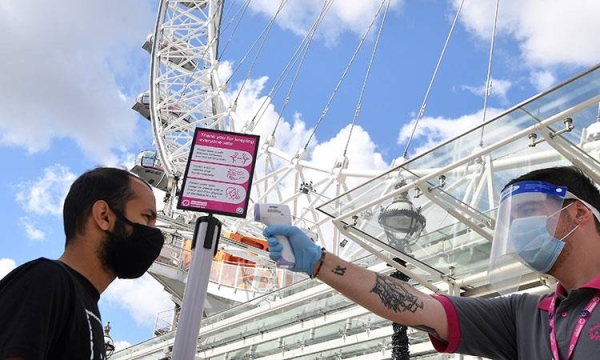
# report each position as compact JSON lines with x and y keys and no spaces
{"x":583,"y":318}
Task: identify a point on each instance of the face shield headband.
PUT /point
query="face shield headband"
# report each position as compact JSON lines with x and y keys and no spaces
{"x":526,"y":224}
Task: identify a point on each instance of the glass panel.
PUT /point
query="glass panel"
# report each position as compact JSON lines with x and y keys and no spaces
{"x":456,"y":184}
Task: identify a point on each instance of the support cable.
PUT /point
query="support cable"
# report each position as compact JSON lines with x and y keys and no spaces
{"x":237,"y":23}
{"x":301,"y":53}
{"x":437,"y":67}
{"x":262,"y":36}
{"x":343,"y":77}
{"x":488,"y":81}
{"x":364,"y":84}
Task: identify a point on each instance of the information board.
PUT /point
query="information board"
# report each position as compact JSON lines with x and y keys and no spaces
{"x":219,"y":171}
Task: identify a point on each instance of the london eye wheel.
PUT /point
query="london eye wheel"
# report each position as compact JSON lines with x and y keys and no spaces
{"x":190,"y":87}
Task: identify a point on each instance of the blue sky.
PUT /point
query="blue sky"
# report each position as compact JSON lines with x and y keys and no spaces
{"x":71,"y":71}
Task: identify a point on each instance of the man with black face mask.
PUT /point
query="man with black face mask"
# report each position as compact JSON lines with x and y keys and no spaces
{"x":49,"y":308}
{"x":549,"y":220}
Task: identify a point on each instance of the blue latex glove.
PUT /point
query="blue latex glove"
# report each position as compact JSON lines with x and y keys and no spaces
{"x":307,"y":254}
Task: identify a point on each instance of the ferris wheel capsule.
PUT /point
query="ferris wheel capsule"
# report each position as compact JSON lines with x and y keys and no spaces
{"x":170,"y":113}
{"x":173,"y":50}
{"x":142,"y":104}
{"x":148,"y":167}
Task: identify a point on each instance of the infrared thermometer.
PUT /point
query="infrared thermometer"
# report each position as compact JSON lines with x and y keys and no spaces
{"x":277,"y":214}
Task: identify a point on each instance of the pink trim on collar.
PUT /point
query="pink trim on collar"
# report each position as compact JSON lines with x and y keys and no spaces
{"x":545,"y":302}
{"x":593,"y":284}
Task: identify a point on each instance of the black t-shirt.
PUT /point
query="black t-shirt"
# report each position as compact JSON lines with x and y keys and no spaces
{"x":49,"y":311}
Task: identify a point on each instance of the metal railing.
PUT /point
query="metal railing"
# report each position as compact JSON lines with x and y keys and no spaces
{"x":237,"y":275}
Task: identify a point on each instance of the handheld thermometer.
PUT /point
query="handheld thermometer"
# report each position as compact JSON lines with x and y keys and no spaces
{"x":277,"y":214}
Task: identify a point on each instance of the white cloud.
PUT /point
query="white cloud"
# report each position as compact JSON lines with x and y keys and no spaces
{"x":127,"y":294}
{"x":292,"y":137}
{"x":225,"y":70}
{"x":31,"y":229}
{"x":289,"y":137}
{"x":362,"y":151}
{"x":46,"y":194}
{"x":120,"y":345}
{"x":6,"y":266}
{"x":542,"y":80}
{"x":298,"y":16}
{"x":499,"y":89}
{"x":549,"y":33}
{"x":431,"y":131}
{"x":252,"y":105}
{"x":67,"y":73}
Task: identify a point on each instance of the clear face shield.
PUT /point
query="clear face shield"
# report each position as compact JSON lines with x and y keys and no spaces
{"x":525,"y":233}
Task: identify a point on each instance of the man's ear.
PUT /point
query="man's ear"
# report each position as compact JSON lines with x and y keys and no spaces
{"x":102,"y":215}
{"x":582,"y":212}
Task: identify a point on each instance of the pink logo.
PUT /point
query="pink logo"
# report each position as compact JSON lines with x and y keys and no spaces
{"x":594,"y":332}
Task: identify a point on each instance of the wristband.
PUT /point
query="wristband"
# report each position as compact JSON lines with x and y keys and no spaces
{"x":320,"y":263}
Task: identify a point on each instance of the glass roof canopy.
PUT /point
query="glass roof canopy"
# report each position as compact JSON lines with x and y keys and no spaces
{"x":457,"y":183}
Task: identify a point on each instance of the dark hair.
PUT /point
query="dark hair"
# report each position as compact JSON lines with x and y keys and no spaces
{"x":103,"y":183}
{"x":576,"y":181}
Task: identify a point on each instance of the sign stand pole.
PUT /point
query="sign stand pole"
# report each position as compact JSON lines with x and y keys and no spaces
{"x":218,"y":178}
{"x":206,"y":233}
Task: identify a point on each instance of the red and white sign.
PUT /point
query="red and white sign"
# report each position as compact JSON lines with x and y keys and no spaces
{"x":218,"y":176}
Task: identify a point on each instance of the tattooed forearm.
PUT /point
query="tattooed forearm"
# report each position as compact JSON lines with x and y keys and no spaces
{"x":429,"y":330}
{"x":395,"y":295}
{"x":339,"y":270}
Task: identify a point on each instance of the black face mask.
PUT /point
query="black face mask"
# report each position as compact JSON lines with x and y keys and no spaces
{"x":131,"y":255}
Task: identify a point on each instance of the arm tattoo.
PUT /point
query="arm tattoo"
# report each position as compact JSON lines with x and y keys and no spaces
{"x":431,"y":331}
{"x":395,"y":295}
{"x":339,"y":270}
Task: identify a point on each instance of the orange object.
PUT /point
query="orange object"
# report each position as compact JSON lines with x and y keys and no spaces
{"x":248,"y":240}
